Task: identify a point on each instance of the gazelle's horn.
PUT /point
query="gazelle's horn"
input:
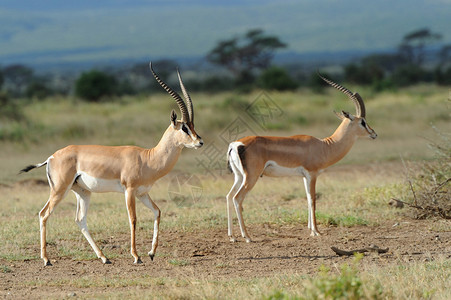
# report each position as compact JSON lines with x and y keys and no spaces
{"x":187,"y":99}
{"x":355,"y":97}
{"x":178,"y":99}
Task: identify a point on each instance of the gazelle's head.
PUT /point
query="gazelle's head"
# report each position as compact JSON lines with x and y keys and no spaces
{"x":355,"y":123}
{"x":181,"y":131}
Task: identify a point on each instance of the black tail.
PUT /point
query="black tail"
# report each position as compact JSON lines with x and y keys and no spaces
{"x":27,"y":168}
{"x":31,"y":167}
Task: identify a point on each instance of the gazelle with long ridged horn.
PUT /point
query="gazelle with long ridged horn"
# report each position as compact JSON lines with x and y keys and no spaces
{"x":126,"y":169}
{"x":301,"y":155}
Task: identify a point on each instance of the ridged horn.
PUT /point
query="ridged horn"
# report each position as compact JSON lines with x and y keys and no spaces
{"x":187,"y":98}
{"x":355,"y":97}
{"x":181,"y":104}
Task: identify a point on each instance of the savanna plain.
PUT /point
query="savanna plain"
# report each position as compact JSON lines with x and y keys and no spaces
{"x":195,"y":258}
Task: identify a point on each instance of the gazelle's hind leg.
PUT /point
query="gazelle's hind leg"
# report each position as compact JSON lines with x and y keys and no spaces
{"x":83,"y":199}
{"x":246,"y":185}
{"x":147,"y":201}
{"x":236,"y":185}
{"x":44,"y":214}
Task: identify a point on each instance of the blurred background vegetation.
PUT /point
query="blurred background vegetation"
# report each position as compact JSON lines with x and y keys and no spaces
{"x":244,"y":63}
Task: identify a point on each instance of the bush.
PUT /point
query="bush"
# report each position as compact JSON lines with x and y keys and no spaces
{"x":276,"y":78}
{"x":38,"y":89}
{"x":2,"y":79}
{"x":94,"y":85}
{"x":9,"y":109}
{"x":443,"y":77}
{"x":429,"y":188}
{"x":346,"y":285}
{"x":409,"y":75}
{"x":364,"y":74}
{"x":245,"y":82}
{"x":217,"y":83}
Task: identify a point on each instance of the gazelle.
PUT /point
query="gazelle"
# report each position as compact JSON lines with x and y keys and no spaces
{"x":300,"y":155}
{"x":126,"y":169}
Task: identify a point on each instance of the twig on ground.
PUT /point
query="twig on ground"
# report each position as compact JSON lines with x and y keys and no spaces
{"x":364,"y":250}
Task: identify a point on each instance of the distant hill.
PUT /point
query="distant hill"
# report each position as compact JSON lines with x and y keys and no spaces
{"x":83,"y":33}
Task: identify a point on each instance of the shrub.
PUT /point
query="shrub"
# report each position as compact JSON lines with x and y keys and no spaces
{"x":2,"y":79}
{"x":38,"y":89}
{"x":94,"y":85}
{"x":443,"y":77}
{"x":364,"y":74}
{"x":217,"y":83}
{"x":409,"y":74}
{"x":276,"y":78}
{"x":346,"y":285}
{"x":9,"y":109}
{"x":429,"y":188}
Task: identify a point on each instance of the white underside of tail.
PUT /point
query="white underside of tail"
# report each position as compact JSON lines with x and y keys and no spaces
{"x":234,"y":157}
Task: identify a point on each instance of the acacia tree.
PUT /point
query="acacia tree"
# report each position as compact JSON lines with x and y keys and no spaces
{"x":246,"y":53}
{"x":413,"y":46}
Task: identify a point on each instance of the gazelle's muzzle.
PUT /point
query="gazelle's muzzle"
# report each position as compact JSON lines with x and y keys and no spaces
{"x":199,"y":144}
{"x":373,"y":134}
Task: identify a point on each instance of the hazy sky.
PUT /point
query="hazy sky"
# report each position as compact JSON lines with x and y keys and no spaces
{"x":103,"y":29}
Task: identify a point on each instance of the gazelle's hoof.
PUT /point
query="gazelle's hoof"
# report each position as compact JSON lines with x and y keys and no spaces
{"x":138,"y":261}
{"x":232,"y":239}
{"x":248,"y":240}
{"x":105,"y":261}
{"x":47,"y":263}
{"x":151,"y":255}
{"x":315,"y":233}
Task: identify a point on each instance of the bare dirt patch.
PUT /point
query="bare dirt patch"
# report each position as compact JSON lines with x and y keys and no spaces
{"x":208,"y":254}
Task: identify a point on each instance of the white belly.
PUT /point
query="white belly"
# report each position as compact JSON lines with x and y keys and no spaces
{"x":99,"y":185}
{"x":272,"y":169}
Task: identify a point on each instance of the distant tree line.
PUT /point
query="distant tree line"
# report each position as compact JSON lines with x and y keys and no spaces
{"x":246,"y":61}
{"x":418,"y":59}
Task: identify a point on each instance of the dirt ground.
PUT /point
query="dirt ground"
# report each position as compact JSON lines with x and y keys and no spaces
{"x":209,"y":254}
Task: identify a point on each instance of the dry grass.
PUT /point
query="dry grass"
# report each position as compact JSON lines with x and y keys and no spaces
{"x":353,"y":192}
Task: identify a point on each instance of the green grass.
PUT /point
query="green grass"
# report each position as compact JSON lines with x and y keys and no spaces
{"x":178,"y":262}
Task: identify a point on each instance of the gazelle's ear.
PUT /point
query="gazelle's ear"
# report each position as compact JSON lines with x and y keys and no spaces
{"x":339,"y":115}
{"x":173,"y":118}
{"x":347,"y":115}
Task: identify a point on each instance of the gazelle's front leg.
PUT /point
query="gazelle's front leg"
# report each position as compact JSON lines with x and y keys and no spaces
{"x":131,"y":209}
{"x":310,"y":189}
{"x":147,"y":201}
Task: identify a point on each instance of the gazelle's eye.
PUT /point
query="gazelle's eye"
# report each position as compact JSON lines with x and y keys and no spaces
{"x":185,"y":129}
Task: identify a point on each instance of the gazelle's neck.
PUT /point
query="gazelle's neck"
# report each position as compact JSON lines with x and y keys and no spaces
{"x":340,"y":142}
{"x":165,"y":155}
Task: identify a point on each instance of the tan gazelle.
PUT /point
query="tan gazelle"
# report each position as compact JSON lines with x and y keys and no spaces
{"x":300,"y":155}
{"x":125,"y":169}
